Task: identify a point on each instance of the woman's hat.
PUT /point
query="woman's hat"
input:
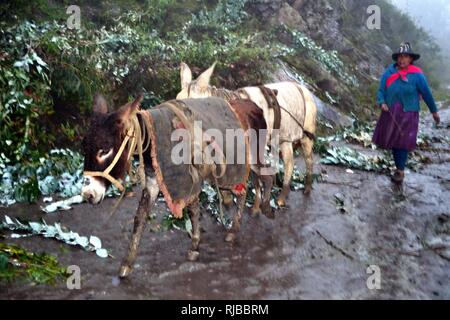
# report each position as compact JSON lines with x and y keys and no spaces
{"x":405,"y":48}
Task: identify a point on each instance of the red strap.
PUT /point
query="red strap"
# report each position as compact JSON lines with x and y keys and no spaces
{"x":239,"y":189}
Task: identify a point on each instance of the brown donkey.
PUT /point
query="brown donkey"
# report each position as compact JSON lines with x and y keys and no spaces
{"x":114,"y":138}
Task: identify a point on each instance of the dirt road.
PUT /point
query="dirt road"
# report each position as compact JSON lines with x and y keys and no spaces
{"x":312,"y":250}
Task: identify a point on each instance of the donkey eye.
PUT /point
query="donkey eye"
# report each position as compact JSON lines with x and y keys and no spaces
{"x":104,"y":153}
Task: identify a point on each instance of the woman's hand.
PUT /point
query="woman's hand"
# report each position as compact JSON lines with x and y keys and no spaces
{"x":384,"y":107}
{"x":436,"y":118}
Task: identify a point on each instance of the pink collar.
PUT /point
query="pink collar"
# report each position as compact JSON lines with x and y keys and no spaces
{"x":402,"y":74}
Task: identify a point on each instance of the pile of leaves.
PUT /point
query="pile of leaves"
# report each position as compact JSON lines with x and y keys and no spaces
{"x":425,"y":140}
{"x":184,"y":224}
{"x":56,"y":231}
{"x":361,"y":134}
{"x":18,"y":264}
{"x":209,"y":200}
{"x":58,"y":172}
{"x":350,"y":158}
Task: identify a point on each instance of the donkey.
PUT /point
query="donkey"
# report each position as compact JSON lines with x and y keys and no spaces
{"x":112,"y":138}
{"x":297,"y":123}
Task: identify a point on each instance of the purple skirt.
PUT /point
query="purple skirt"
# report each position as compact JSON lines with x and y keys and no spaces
{"x":397,"y":129}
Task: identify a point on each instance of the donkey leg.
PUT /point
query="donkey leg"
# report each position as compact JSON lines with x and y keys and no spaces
{"x":194,"y":212}
{"x":227,"y":198}
{"x":308,"y":154}
{"x":149,"y":195}
{"x":139,"y":224}
{"x":231,"y":236}
{"x":287,"y":153}
{"x":266,"y":207}
{"x":255,"y":210}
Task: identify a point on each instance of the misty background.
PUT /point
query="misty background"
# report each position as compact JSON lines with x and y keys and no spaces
{"x":433,"y":16}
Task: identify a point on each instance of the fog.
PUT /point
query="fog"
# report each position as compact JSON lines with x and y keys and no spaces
{"x":432,"y":15}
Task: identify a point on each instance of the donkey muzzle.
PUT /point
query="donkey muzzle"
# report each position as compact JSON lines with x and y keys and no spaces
{"x":93,"y":190}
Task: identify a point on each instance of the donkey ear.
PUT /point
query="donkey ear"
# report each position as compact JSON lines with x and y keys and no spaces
{"x":126,"y":111}
{"x":185,"y":75}
{"x":100,"y":105}
{"x":137,"y":102}
{"x":203,"y":79}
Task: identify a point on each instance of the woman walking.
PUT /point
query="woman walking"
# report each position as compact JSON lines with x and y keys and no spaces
{"x":401,"y":87}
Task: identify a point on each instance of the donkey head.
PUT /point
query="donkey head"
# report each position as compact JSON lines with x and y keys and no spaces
{"x":198,"y":88}
{"x":101,"y":144}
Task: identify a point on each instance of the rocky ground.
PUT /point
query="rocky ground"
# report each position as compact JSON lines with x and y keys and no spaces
{"x":311,"y":250}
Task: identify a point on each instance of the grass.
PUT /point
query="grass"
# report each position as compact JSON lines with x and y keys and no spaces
{"x":18,"y":264}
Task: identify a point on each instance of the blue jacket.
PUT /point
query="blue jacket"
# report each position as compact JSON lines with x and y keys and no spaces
{"x":405,"y":87}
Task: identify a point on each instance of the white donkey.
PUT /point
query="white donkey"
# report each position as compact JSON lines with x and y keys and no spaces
{"x":297,"y":124}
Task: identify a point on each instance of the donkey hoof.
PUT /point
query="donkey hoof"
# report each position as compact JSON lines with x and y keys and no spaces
{"x":193,"y":255}
{"x":124,"y":271}
{"x":227,"y":199}
{"x":254,"y":212}
{"x":307,"y":191}
{"x":230,"y":237}
{"x":281,"y":202}
{"x":269,"y":213}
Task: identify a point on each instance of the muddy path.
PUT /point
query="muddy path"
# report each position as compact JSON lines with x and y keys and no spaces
{"x":312,"y":250}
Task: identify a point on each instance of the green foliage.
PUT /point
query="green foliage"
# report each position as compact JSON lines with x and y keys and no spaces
{"x":55,"y":231}
{"x":321,"y":145}
{"x":13,"y":10}
{"x":301,"y":44}
{"x":24,"y":86}
{"x":350,"y":158}
{"x":365,"y":98}
{"x":361,"y":134}
{"x":18,"y":264}
{"x":226,"y":16}
{"x":170,"y":222}
{"x":58,"y":172}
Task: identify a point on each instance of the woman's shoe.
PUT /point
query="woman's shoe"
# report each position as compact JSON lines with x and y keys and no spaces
{"x":398,"y":176}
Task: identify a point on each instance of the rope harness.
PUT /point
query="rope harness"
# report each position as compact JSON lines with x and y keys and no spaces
{"x":203,"y":170}
{"x":208,"y":166}
{"x":241,"y":94}
{"x":134,"y":139}
{"x":272,"y":101}
{"x":310,"y":135}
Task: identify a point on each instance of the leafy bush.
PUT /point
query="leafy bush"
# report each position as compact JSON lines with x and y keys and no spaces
{"x":301,"y":44}
{"x":58,"y":172}
{"x":24,"y":87}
